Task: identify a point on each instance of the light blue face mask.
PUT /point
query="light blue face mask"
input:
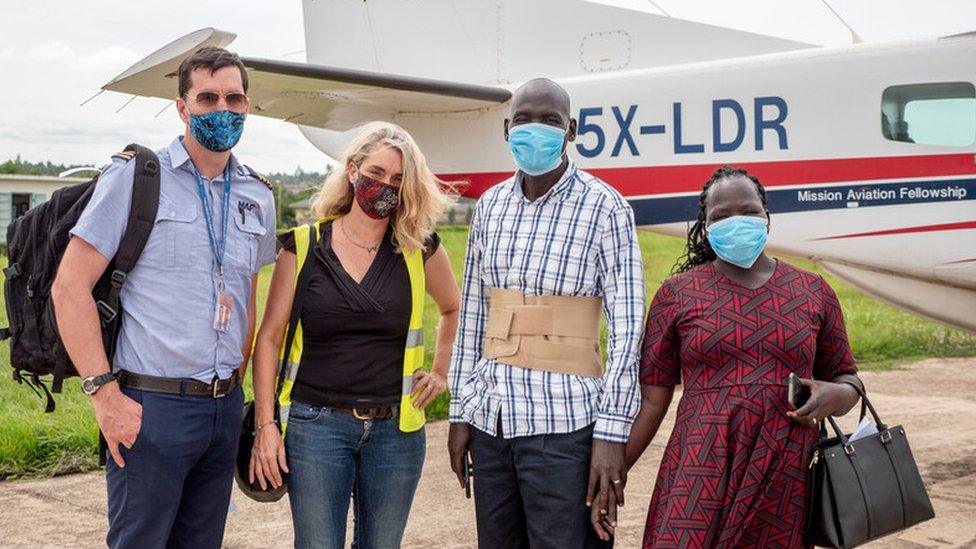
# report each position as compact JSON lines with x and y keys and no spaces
{"x":537,"y":148}
{"x":738,"y":239}
{"x":217,"y":131}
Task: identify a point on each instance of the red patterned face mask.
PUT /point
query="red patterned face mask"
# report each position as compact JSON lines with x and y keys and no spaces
{"x":377,"y":199}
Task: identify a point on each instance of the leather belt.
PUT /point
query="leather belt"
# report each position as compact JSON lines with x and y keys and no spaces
{"x":364,"y":414}
{"x":219,"y":388}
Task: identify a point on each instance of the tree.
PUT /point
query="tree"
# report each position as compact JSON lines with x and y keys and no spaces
{"x":20,"y":167}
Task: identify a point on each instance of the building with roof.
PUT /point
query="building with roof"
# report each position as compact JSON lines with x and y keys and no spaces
{"x":19,"y":193}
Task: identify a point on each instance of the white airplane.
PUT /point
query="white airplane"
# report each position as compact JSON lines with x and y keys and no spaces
{"x":868,"y":151}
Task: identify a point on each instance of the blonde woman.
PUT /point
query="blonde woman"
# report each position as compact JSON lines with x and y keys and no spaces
{"x":345,"y":433}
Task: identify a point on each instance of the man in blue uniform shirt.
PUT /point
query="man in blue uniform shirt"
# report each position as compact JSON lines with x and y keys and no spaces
{"x":171,"y":414}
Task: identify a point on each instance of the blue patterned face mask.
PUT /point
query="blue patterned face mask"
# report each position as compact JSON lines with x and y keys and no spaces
{"x":217,"y":131}
{"x":537,"y":148}
{"x":738,"y":239}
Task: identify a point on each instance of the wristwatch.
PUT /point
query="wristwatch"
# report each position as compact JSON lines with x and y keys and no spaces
{"x":91,"y":384}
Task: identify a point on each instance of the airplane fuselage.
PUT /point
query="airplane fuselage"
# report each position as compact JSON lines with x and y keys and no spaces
{"x":867,"y":153}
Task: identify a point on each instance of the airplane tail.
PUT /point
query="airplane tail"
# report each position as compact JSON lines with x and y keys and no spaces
{"x":510,"y":41}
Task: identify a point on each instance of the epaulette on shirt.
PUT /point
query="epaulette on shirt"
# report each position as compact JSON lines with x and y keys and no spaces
{"x":125,"y":156}
{"x":259,"y":177}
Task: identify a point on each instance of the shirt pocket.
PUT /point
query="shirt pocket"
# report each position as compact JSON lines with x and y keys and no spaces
{"x":247,"y":238}
{"x":175,"y":242}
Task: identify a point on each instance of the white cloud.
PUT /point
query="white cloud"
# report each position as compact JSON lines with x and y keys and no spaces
{"x":50,"y":52}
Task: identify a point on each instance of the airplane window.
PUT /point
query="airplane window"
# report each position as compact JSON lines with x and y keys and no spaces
{"x":941,"y":113}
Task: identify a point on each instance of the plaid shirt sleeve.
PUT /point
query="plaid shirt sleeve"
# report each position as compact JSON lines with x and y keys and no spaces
{"x":471,"y":325}
{"x":621,"y":270}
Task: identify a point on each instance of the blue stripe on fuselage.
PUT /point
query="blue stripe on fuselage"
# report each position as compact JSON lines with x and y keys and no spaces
{"x":671,"y":209}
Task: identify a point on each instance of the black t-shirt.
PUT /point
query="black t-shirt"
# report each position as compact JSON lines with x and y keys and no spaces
{"x":353,"y":334}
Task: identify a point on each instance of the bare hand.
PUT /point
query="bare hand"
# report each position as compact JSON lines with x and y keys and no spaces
{"x":426,"y":387}
{"x":826,"y":399}
{"x":119,"y":418}
{"x":458,"y":444}
{"x":605,"y":522}
{"x":605,"y":490}
{"x":267,"y":458}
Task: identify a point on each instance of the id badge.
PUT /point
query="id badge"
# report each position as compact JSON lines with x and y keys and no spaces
{"x":222,"y":314}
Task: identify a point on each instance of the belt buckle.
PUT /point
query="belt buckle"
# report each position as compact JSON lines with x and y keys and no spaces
{"x":214,"y":390}
{"x":359,"y":416}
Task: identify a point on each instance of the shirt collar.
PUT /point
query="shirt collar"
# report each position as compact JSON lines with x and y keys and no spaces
{"x":179,"y":158}
{"x":558,"y":190}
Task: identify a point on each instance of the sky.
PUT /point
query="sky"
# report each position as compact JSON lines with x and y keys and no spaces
{"x":55,"y":54}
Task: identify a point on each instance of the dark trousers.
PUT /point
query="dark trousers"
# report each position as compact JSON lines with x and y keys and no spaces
{"x":174,"y":490}
{"x":531,"y":491}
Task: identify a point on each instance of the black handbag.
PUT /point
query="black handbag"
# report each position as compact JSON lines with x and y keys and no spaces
{"x":865,"y":489}
{"x":248,"y":433}
{"x":253,"y":489}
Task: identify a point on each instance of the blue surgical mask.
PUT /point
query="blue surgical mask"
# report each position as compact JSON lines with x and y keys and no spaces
{"x":738,"y":239}
{"x":537,"y":148}
{"x":217,"y":131}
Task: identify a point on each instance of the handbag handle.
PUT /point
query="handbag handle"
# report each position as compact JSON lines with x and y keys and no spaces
{"x":848,"y":448}
{"x":864,"y":402}
{"x":864,"y":408}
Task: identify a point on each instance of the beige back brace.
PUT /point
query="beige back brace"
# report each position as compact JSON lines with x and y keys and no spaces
{"x":552,"y":333}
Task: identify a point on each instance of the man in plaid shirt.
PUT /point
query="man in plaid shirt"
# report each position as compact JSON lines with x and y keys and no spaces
{"x":548,"y":445}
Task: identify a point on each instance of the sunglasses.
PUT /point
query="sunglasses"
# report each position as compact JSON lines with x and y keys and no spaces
{"x":235,"y":101}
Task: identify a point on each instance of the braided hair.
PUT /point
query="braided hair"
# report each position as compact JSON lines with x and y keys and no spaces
{"x":697,"y":249}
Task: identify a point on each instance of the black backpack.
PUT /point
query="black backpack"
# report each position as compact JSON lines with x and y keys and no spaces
{"x":35,"y":243}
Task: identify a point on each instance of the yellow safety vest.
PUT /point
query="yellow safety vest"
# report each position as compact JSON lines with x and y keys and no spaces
{"x":411,"y":419}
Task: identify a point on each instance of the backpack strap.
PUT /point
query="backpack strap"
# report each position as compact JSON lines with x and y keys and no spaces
{"x":33,"y":381}
{"x":142,"y":217}
{"x":142,"y":213}
{"x":296,"y":305}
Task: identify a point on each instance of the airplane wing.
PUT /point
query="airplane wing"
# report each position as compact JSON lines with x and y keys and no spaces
{"x":312,"y":95}
{"x":948,"y":304}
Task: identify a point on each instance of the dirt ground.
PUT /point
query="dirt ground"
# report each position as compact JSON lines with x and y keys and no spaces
{"x":934,"y":399}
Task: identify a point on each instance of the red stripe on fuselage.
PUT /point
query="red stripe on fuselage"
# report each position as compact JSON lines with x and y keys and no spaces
{"x":650,"y":180}
{"x":907,"y":230}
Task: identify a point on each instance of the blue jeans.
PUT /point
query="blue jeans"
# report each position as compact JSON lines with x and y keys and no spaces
{"x":175,"y":487}
{"x":332,"y":455}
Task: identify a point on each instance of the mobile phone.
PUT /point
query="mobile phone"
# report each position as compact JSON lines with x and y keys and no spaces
{"x":467,"y":473}
{"x":797,"y":393}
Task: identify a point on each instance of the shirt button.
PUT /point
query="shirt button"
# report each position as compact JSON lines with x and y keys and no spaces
{"x":172,"y":214}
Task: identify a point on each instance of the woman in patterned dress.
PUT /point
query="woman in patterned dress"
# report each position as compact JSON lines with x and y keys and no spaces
{"x":730,"y":326}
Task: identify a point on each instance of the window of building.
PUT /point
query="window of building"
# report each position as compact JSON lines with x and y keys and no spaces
{"x":21,"y":203}
{"x":941,"y":113}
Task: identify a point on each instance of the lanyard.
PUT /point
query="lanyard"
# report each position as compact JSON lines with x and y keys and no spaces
{"x":217,"y":249}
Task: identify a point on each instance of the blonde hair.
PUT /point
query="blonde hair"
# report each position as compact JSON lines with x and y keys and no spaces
{"x":423,"y":196}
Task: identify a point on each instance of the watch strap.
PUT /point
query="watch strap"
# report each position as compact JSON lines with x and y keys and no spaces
{"x":102,"y":379}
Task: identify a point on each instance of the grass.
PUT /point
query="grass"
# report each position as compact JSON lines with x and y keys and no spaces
{"x":33,"y":443}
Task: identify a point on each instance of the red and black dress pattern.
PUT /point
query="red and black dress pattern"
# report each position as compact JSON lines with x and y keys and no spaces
{"x":734,"y":470}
